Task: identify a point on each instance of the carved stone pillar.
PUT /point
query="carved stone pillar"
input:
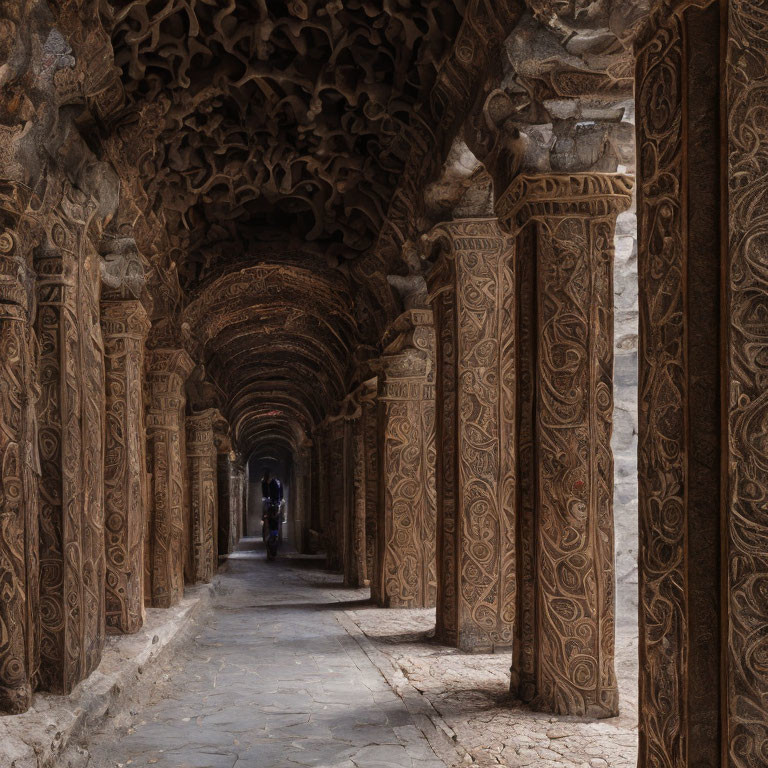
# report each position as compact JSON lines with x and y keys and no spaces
{"x":71,"y":440}
{"x":369,"y":429}
{"x":565,"y":659}
{"x":231,"y":482}
{"x":201,"y":458}
{"x":168,"y":370}
{"x":472,"y":289}
{"x":19,"y":469}
{"x":703,"y":373}
{"x":125,"y":326}
{"x":406,"y":401}
{"x":301,"y":500}
{"x":355,"y":572}
{"x":334,"y":535}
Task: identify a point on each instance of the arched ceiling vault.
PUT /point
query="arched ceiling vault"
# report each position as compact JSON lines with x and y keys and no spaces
{"x":279,"y":339}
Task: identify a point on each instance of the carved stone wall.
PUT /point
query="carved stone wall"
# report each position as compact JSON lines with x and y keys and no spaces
{"x":167,"y":372}
{"x":124,"y":325}
{"x":19,"y":461}
{"x":473,"y":297}
{"x":703,"y":341}
{"x":572,"y":246}
{"x":71,"y":434}
{"x":405,"y":568}
{"x":203,"y":493}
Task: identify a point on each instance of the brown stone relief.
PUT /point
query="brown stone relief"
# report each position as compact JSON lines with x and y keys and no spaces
{"x":167,"y":372}
{"x":203,"y":493}
{"x":746,"y":553}
{"x":406,"y":398}
{"x":71,"y":430}
{"x":19,"y":461}
{"x":473,"y":292}
{"x":355,"y":563}
{"x":124,"y":326}
{"x":370,"y":458}
{"x":574,"y":219}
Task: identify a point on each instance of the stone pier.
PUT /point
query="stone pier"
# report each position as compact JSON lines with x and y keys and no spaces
{"x":405,"y":569}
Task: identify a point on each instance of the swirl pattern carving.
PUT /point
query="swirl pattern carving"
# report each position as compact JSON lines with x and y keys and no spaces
{"x":167,"y":371}
{"x":746,"y":59}
{"x":71,"y":429}
{"x":203,"y":495}
{"x":406,"y":402}
{"x":19,"y":463}
{"x":355,"y":565}
{"x":574,"y":219}
{"x":125,"y":327}
{"x":473,"y":288}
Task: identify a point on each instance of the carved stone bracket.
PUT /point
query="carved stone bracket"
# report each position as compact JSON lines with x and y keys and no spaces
{"x":201,"y":458}
{"x":405,"y":568}
{"x":125,"y":327}
{"x":167,"y":371}
{"x":473,"y":297}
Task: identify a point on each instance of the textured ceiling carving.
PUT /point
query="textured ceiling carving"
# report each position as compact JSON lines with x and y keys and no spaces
{"x":280,"y":340}
{"x":294,"y":113}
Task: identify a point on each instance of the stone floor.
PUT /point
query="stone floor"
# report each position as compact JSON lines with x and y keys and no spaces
{"x":290,"y":669}
{"x":470,"y":693}
{"x":271,"y":680}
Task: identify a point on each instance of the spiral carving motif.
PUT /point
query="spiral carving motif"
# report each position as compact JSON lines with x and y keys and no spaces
{"x":125,"y":327}
{"x":407,"y":467}
{"x":747,"y":361}
{"x":71,"y":422}
{"x":167,"y":371}
{"x":19,"y":469}
{"x":203,"y":495}
{"x":473,"y":286}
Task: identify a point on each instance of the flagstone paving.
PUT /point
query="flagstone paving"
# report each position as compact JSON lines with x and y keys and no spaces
{"x":271,"y":680}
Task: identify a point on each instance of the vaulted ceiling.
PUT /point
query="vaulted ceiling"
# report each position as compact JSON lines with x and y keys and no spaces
{"x":280,"y":115}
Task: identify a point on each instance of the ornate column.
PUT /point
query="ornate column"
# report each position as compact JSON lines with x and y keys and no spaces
{"x":369,"y":429}
{"x":406,"y":401}
{"x":125,"y":326}
{"x":567,"y":665}
{"x":702,"y":460}
{"x":334,"y":535}
{"x":201,"y":458}
{"x":168,"y":370}
{"x":301,"y":500}
{"x":226,"y":490}
{"x":472,"y":288}
{"x":355,"y":573}
{"x":71,"y":439}
{"x":19,"y":464}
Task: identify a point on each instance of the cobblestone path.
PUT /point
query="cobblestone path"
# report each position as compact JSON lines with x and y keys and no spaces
{"x":271,"y":680}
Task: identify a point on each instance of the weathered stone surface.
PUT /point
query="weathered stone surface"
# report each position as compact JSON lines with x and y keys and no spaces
{"x":168,"y":525}
{"x":473,"y":294}
{"x":405,"y":567}
{"x":125,"y":325}
{"x":203,"y":495}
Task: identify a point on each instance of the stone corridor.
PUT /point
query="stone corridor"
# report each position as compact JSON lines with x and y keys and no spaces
{"x":291,"y":669}
{"x":270,"y":678}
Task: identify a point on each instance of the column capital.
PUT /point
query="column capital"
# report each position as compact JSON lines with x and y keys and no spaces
{"x":170,"y":362}
{"x":124,"y":317}
{"x":200,"y":429}
{"x":583,"y":195}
